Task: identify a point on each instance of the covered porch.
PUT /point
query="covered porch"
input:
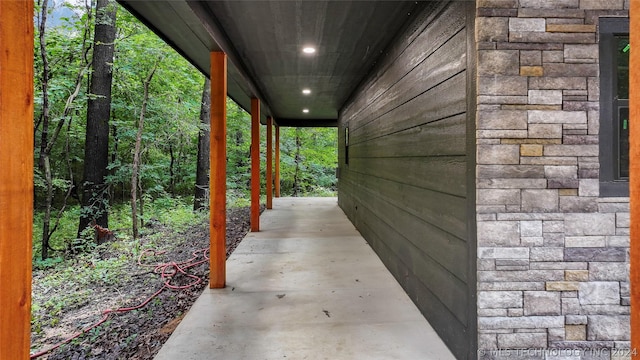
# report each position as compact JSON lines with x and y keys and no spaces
{"x":281,"y":294}
{"x":307,"y":286}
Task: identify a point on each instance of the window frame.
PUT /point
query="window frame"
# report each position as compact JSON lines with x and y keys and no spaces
{"x":610,"y":184}
{"x":346,"y":145}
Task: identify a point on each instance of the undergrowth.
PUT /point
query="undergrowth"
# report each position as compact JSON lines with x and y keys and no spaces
{"x":176,"y":213}
{"x":80,"y":264}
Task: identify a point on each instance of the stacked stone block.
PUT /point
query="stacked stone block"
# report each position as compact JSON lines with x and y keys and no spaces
{"x":553,"y":263}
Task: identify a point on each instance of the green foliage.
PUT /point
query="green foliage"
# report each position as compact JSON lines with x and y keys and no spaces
{"x":61,"y":239}
{"x":176,"y":213}
{"x":48,"y":263}
{"x":238,"y":153}
{"x":172,"y":119}
{"x":317,"y":162}
{"x":85,"y":243}
{"x":64,"y":41}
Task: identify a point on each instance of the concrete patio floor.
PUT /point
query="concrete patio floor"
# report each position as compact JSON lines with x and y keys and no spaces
{"x":307,"y":286}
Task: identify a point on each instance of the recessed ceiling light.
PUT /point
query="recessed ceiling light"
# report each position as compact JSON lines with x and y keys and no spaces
{"x":306,"y":91}
{"x":309,"y":50}
{"x":305,"y":110}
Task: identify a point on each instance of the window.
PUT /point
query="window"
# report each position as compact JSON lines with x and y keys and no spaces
{"x":346,"y":144}
{"x":614,"y":106}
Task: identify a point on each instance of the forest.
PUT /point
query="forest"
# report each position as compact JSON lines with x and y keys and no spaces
{"x":119,"y":116}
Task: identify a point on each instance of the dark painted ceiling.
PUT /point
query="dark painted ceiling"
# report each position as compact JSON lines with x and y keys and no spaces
{"x":264,"y":42}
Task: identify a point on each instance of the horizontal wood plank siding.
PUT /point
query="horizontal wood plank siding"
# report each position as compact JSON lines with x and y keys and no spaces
{"x":403,"y":56}
{"x":436,"y":104}
{"x":440,"y":246}
{"x":406,"y":184}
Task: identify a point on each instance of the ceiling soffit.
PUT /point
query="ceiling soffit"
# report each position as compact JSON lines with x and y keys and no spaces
{"x":264,"y":41}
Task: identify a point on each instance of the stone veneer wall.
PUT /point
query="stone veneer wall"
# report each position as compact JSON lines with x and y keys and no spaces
{"x":553,"y":256}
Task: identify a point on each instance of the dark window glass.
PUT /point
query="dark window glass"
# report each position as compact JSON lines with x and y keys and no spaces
{"x":623,"y":141}
{"x":614,"y":106}
{"x":346,"y":145}
{"x":622,"y":54}
{"x":621,"y":105}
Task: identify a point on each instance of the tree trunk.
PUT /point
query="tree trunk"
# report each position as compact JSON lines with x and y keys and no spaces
{"x":96,"y":152}
{"x":297,"y":160}
{"x":172,"y":175}
{"x":178,"y":161}
{"x":140,"y":189}
{"x":202,"y":169}
{"x":46,"y":220}
{"x":44,"y":135}
{"x":136,"y":153}
{"x":114,"y":156}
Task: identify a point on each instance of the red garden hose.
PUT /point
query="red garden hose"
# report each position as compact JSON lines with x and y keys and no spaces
{"x":166,"y":271}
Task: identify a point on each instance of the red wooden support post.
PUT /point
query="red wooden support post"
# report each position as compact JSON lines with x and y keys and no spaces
{"x":634,"y":167}
{"x":269,"y":163}
{"x":16,"y":177}
{"x":255,"y":164}
{"x":218,"y":171}
{"x":277,"y":165}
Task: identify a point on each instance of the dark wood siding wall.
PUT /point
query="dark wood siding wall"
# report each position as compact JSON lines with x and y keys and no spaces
{"x":405,"y":186}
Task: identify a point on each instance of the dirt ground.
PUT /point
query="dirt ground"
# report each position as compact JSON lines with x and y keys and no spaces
{"x":138,"y":334}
